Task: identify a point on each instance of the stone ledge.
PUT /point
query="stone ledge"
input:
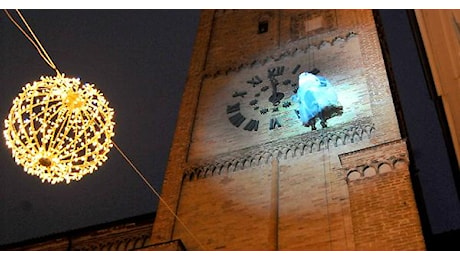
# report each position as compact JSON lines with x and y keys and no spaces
{"x":371,"y":161}
{"x":336,"y":41}
{"x":283,"y":149}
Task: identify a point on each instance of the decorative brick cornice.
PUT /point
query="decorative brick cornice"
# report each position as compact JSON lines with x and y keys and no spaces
{"x":385,"y":158}
{"x":129,"y":237}
{"x":133,"y":234}
{"x":311,"y":142}
{"x":172,"y":245}
{"x":290,"y":52}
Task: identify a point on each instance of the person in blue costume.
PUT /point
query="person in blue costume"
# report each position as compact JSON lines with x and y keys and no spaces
{"x":317,"y":99}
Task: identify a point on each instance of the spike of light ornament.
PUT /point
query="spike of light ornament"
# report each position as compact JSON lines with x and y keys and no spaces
{"x":59,"y":129}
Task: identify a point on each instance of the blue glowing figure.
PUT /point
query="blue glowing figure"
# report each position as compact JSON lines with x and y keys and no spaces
{"x":317,"y":99}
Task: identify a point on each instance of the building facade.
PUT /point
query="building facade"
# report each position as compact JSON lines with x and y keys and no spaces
{"x":245,"y":173}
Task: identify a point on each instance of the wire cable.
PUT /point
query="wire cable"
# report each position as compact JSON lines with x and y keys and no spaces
{"x":33,"y":39}
{"x":156,"y":193}
{"x":41,"y":50}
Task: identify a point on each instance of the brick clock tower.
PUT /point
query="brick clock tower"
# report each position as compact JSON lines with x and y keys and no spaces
{"x":288,"y":139}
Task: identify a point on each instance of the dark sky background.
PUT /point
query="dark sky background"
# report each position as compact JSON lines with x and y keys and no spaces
{"x":139,"y":59}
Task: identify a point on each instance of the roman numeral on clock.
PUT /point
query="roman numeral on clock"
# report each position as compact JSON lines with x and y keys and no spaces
{"x":274,"y":123}
{"x":254,"y":81}
{"x":253,"y":125}
{"x":296,"y":69}
{"x":276,"y":71}
{"x":233,"y":108}
{"x":237,"y":119}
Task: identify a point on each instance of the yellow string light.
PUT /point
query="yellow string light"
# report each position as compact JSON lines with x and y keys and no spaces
{"x":59,"y":129}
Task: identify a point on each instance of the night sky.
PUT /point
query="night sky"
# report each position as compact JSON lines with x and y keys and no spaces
{"x":139,"y":59}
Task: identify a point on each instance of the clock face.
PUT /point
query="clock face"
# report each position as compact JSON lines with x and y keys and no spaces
{"x":276,"y":97}
{"x":265,"y":99}
{"x":264,"y":102}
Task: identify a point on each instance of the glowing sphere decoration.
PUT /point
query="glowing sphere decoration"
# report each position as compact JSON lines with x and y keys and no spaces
{"x":59,"y":129}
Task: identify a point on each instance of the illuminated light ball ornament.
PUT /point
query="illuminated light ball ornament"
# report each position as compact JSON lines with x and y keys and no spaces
{"x":59,"y":129}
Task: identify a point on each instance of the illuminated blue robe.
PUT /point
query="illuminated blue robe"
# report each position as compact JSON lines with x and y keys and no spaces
{"x":314,"y":95}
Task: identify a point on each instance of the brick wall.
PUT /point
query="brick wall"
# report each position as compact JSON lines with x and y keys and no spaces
{"x":383,"y":208}
{"x":383,"y":213}
{"x":284,"y":190}
{"x":226,"y":212}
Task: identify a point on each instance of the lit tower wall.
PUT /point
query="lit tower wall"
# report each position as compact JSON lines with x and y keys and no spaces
{"x":244,"y":173}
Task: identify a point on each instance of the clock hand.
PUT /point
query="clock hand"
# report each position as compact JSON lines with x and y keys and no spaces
{"x":276,"y":96}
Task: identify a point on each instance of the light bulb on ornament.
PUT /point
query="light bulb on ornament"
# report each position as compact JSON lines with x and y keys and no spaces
{"x":59,"y":129}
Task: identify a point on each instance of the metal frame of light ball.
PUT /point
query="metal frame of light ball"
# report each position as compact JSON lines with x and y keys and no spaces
{"x":59,"y":129}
